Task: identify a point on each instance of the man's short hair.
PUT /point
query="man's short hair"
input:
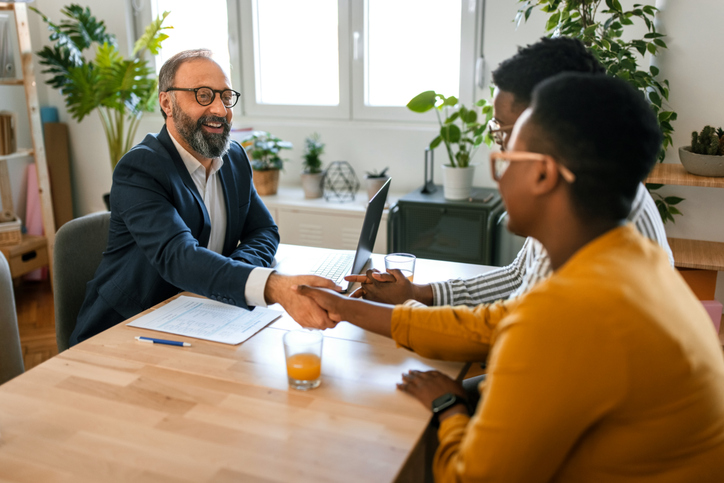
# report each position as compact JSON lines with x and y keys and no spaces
{"x":604,"y":131}
{"x":168,"y":71}
{"x":537,"y":62}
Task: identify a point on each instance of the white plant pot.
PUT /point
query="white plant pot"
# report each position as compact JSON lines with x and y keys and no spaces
{"x":457,"y":183}
{"x":312,"y":184}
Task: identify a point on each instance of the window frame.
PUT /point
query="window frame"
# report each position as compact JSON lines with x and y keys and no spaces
{"x":351,"y":71}
{"x":250,"y":74}
{"x":466,"y":94}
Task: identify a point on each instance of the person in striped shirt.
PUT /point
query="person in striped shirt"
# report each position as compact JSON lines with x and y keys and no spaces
{"x":514,"y":79}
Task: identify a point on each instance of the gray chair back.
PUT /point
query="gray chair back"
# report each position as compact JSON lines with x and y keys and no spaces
{"x":11,"y":354}
{"x":79,"y":246}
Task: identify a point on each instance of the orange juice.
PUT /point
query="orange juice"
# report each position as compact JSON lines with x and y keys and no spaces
{"x":408,"y":275}
{"x":304,"y":367}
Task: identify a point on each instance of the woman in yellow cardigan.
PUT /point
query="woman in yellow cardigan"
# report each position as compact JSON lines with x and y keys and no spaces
{"x":610,"y":370}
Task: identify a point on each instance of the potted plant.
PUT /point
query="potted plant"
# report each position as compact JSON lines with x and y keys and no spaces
{"x":263,"y":150}
{"x":120,"y":89}
{"x":705,"y":156}
{"x":461,"y":141}
{"x":374,"y":181}
{"x":313,"y":176}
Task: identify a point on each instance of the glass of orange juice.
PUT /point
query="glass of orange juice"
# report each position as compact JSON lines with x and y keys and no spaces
{"x":303,"y":351}
{"x":404,"y":262}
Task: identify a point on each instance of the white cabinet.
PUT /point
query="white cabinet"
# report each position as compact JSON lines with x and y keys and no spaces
{"x":324,"y":224}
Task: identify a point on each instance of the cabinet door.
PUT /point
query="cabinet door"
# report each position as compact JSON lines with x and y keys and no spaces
{"x":339,"y":231}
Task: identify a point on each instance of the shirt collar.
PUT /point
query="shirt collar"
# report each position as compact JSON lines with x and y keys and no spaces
{"x":191,"y":163}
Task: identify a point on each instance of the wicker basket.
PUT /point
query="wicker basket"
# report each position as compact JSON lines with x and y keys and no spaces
{"x":10,"y":233}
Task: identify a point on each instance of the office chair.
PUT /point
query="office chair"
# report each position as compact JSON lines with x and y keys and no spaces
{"x":79,"y":246}
{"x":11,"y":353}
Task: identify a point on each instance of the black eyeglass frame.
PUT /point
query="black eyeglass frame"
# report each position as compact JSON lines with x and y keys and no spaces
{"x":196,"y":90}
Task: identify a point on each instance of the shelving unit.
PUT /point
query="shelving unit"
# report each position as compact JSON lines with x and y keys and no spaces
{"x":33,"y":251}
{"x":704,"y":255}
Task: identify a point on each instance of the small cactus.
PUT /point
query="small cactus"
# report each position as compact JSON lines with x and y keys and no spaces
{"x":709,"y":141}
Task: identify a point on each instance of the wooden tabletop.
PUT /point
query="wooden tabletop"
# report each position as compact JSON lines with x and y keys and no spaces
{"x":114,"y":409}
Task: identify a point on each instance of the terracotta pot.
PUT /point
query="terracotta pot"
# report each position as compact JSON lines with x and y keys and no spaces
{"x":266,"y":182}
{"x":457,"y":183}
{"x":313,"y":184}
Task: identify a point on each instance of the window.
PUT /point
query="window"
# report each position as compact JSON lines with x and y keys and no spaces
{"x":334,"y":59}
{"x":191,"y":27}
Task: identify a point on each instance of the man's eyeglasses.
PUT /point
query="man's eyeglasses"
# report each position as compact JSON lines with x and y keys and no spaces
{"x":206,"y":95}
{"x":500,"y":161}
{"x":497,"y":131}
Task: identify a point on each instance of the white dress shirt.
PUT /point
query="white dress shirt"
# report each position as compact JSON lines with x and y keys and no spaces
{"x":212,"y":193}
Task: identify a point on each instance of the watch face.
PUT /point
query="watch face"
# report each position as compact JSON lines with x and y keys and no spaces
{"x":444,"y":402}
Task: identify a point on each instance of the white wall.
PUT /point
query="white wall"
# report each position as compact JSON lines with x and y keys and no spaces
{"x":690,"y":64}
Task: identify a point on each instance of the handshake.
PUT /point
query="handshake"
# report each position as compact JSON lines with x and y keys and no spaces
{"x":316,"y":302}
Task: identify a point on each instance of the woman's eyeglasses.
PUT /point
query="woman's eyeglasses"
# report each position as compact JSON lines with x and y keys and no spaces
{"x":500,"y":161}
{"x":497,"y":131}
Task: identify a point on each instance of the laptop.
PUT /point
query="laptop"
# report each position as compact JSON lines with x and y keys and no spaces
{"x":338,"y":265}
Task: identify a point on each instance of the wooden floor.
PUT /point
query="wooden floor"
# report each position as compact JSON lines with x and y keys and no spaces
{"x":36,"y":321}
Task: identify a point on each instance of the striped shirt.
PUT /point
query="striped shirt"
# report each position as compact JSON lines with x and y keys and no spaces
{"x":532,"y":263}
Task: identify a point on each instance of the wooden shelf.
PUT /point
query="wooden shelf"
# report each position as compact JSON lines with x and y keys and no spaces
{"x":20,"y":153}
{"x":676,"y":174}
{"x":26,"y":256}
{"x":704,"y":255}
{"x":11,"y":82}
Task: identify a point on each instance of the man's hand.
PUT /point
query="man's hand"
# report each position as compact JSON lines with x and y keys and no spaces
{"x":367,"y":315}
{"x":389,"y":288}
{"x":302,"y":309}
{"x":430,"y":385}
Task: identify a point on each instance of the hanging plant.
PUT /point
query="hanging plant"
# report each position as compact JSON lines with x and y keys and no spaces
{"x":602,"y":32}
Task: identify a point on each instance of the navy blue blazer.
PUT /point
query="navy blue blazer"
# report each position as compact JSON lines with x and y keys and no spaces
{"x":159,"y":231}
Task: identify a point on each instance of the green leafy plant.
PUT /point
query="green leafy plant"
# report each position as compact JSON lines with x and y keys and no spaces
{"x":602,"y":31}
{"x":710,"y":141}
{"x":264,"y":149}
{"x":313,"y":149}
{"x":461,"y":141}
{"x":120,"y":89}
{"x":375,"y":174}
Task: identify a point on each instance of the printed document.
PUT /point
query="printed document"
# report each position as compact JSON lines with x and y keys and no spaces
{"x":207,"y":319}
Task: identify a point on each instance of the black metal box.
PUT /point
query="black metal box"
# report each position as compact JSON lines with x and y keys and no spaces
{"x":429,"y":226}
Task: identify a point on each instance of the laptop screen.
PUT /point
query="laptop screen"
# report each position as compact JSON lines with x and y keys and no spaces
{"x":367,"y":237}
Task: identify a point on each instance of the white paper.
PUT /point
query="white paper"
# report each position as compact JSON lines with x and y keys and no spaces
{"x":207,"y":319}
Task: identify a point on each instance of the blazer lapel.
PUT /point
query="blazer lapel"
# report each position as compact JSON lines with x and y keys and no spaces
{"x":231,"y":197}
{"x":165,"y":139}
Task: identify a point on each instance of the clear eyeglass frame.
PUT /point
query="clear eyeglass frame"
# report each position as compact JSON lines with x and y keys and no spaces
{"x":500,"y":161}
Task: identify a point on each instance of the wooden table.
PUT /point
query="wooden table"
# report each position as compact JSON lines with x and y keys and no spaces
{"x":113,"y":409}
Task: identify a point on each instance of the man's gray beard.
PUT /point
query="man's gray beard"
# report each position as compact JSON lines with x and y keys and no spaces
{"x":208,"y":145}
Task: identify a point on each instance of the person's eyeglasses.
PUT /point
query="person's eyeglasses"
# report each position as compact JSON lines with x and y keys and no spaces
{"x":497,"y":131}
{"x":500,"y":161}
{"x":206,"y":95}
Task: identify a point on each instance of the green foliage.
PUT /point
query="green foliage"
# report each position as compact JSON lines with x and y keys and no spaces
{"x":461,"y":141}
{"x":710,"y":141}
{"x":603,"y":33}
{"x":313,"y":149}
{"x":264,"y":149}
{"x":375,"y":174}
{"x":121,"y":90}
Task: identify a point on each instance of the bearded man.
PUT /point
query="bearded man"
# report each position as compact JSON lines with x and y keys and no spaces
{"x":185,"y":215}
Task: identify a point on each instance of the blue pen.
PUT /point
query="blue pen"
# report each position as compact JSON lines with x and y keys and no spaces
{"x":151,"y":340}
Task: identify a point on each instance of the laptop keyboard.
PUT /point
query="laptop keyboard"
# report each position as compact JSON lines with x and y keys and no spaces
{"x":335,"y":266}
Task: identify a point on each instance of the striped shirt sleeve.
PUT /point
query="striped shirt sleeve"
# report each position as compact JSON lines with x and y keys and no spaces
{"x":645,"y":216}
{"x":488,"y":287}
